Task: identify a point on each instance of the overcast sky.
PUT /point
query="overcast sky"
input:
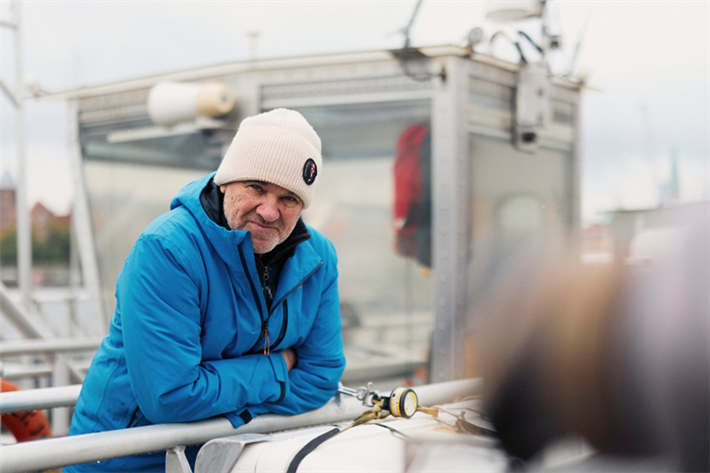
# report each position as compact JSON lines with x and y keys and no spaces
{"x":648,"y":60}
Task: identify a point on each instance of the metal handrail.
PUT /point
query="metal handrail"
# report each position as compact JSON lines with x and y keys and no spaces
{"x":60,"y":452}
{"x":27,"y":347}
{"x":34,"y":371}
{"x":34,"y":399}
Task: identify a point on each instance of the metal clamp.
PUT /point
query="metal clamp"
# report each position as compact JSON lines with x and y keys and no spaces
{"x":364,"y":394}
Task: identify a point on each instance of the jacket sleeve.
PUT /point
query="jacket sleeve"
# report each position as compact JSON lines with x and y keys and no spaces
{"x":320,"y":359}
{"x":159,"y":302}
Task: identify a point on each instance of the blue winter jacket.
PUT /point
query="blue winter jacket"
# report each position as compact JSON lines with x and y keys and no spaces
{"x":186,"y":341}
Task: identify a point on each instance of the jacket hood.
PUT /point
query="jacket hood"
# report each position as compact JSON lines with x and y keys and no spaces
{"x":224,"y":241}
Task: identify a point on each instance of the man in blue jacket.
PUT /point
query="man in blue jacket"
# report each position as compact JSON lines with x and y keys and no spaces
{"x":227,"y":304}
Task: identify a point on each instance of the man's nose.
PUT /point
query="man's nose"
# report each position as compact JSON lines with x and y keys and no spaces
{"x":268,"y":209}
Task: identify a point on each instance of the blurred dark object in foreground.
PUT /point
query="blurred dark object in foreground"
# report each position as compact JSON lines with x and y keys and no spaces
{"x":619,"y":354}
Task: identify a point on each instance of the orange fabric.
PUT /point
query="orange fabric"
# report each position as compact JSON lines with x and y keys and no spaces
{"x":24,"y":426}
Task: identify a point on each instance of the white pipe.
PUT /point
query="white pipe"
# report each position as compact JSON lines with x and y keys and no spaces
{"x":24,"y":233}
{"x":26,"y":347}
{"x":34,"y":399}
{"x":61,"y":377}
{"x":23,"y":372}
{"x":58,"y":452}
{"x":81,"y":221}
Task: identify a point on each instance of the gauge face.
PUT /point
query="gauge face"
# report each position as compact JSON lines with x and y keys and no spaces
{"x":409,"y":404}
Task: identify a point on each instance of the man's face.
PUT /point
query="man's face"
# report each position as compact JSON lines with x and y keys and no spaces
{"x":268,"y":211}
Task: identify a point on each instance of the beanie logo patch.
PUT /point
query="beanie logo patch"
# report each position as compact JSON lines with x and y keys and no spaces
{"x":310,"y":171}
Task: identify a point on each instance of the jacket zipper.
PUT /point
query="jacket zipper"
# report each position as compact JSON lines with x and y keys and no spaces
{"x":284,"y":323}
{"x":265,"y":322}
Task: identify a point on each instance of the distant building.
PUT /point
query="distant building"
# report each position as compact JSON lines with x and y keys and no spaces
{"x":638,"y":232}
{"x":8,"y":213}
{"x":50,"y":244}
{"x":41,"y":217}
{"x":42,"y":220}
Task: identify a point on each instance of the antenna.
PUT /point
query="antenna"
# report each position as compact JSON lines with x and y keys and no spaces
{"x":577,"y":49}
{"x":405,"y":53}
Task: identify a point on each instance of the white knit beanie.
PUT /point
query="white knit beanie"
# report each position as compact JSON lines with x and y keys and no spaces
{"x":278,"y":147}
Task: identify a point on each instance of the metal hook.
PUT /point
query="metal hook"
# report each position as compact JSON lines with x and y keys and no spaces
{"x":364,"y":394}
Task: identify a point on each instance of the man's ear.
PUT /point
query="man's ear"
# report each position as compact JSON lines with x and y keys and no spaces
{"x":223,"y":188}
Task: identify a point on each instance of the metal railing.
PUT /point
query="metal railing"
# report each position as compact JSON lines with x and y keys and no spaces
{"x":60,"y":452}
{"x":47,"y":346}
{"x":46,"y":361}
{"x":34,"y":399}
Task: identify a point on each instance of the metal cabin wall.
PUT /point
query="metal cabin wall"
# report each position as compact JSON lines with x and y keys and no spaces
{"x":522,"y":205}
{"x":547,"y":178}
{"x":483,"y":183}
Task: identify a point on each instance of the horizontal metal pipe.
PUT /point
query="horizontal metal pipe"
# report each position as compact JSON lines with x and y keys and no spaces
{"x":34,"y":399}
{"x":380,"y":371}
{"x":36,"y":371}
{"x":59,"y":452}
{"x":27,"y":347}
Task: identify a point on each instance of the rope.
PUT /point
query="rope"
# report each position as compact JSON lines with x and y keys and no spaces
{"x":377,"y":412}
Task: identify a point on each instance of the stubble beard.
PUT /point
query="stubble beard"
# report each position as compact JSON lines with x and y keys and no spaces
{"x":261,"y":246}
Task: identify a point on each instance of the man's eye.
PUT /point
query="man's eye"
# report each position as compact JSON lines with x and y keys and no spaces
{"x":289,"y":200}
{"x":256,"y":187}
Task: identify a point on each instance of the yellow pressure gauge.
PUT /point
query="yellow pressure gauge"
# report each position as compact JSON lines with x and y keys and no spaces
{"x":403,"y":402}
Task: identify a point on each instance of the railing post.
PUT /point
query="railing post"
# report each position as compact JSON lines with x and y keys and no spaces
{"x":60,"y":377}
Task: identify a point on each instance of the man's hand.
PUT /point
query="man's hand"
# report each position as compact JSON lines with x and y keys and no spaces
{"x":289,"y":355}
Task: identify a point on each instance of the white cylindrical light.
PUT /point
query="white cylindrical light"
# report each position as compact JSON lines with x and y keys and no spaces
{"x":170,"y":103}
